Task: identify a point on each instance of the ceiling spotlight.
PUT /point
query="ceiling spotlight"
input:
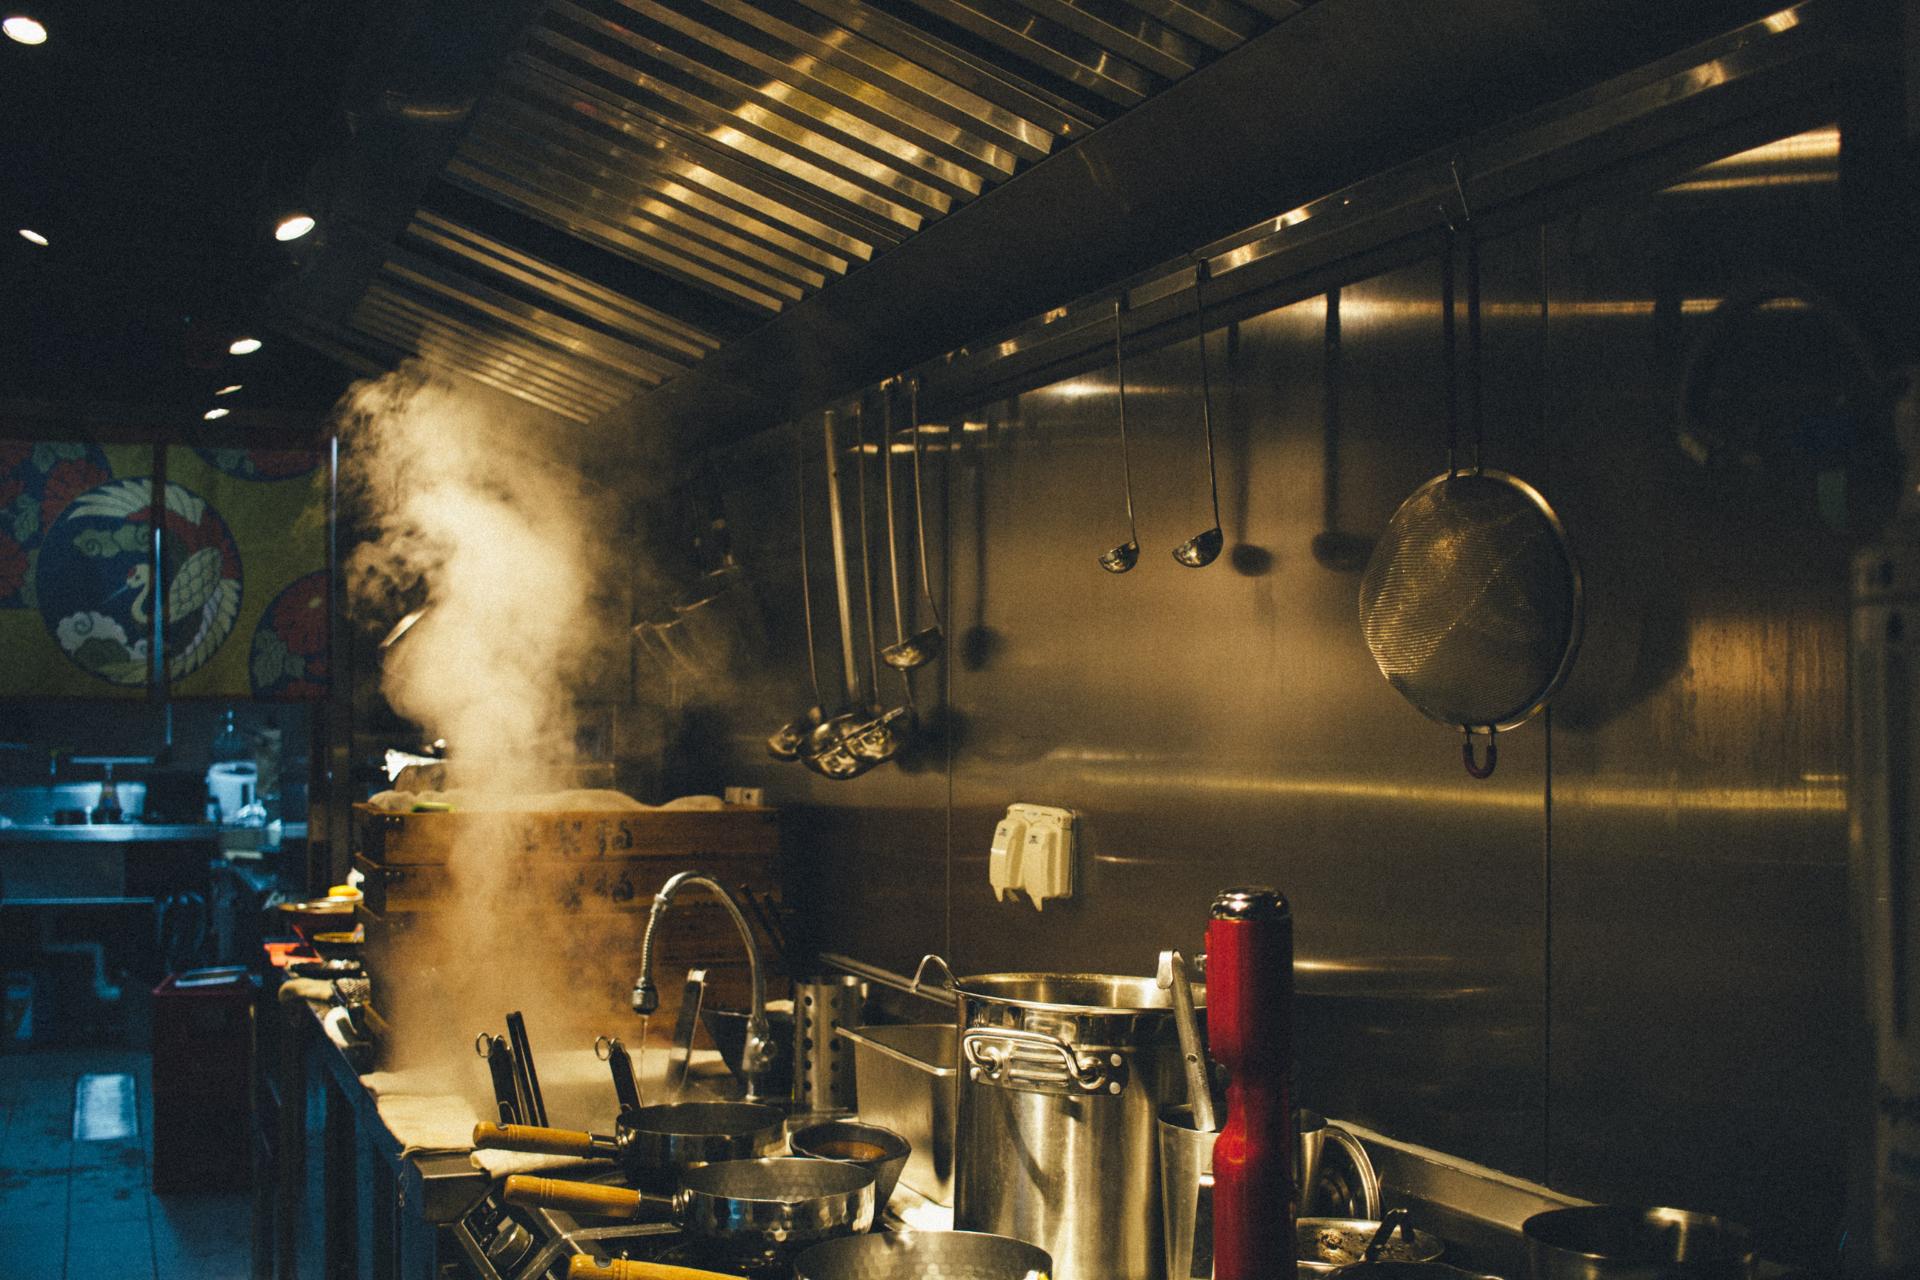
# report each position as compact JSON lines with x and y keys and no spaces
{"x":33,"y":237}
{"x":228,"y":390}
{"x":244,"y":346}
{"x":212,"y":415}
{"x":23,"y":30}
{"x":293,"y":226}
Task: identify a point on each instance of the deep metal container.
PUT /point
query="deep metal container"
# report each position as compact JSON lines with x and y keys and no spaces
{"x":907,"y":1082}
{"x":1062,"y":1076}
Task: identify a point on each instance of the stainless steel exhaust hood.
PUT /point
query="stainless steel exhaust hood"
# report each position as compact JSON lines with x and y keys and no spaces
{"x":732,"y":157}
{"x":642,"y":213}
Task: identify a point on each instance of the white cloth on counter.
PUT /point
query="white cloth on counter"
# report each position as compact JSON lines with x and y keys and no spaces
{"x":581,"y":800}
{"x":425,"y":1122}
{"x":574,"y":1083}
{"x":313,"y":990}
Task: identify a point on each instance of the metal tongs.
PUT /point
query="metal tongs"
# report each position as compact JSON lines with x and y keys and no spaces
{"x":516,"y":1087}
{"x":1389,"y":1221}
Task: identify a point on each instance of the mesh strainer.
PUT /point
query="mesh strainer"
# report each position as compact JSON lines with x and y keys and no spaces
{"x":1471,"y":602}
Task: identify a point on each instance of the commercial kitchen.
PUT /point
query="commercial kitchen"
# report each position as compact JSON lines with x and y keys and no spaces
{"x":1103,"y":639}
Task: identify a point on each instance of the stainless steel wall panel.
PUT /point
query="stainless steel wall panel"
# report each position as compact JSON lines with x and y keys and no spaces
{"x":1617,"y":966}
{"x":1701,"y":1018}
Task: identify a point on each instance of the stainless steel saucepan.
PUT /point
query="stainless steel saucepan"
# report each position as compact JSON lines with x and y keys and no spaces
{"x":653,"y":1144}
{"x":909,"y":1255}
{"x":744,"y":1210}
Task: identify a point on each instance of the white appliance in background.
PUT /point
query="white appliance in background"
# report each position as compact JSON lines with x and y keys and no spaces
{"x":230,"y":786}
{"x":1032,"y":853}
{"x":1884,"y":797}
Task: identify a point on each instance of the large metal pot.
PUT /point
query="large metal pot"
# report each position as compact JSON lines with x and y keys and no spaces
{"x":1614,"y":1242}
{"x":1061,"y":1077}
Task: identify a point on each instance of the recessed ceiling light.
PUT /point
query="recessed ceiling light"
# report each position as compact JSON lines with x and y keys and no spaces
{"x":244,"y":346}
{"x":228,"y":390}
{"x":293,"y":226}
{"x":29,"y":234}
{"x":23,"y":30}
{"x":213,"y":414}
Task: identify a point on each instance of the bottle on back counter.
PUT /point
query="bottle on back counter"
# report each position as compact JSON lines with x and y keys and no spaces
{"x":1250,"y":1033}
{"x":231,"y":768}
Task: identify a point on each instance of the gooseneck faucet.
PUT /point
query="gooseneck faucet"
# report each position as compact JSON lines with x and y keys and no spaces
{"x":756,"y":1056}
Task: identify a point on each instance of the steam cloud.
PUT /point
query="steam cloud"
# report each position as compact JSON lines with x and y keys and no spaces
{"x":472,"y":495}
{"x":475,"y":498}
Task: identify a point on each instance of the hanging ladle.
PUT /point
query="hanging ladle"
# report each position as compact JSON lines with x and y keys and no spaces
{"x":923,"y":646}
{"x":1127,"y":554}
{"x":927,"y":640}
{"x":826,"y":751}
{"x":1203,"y":548}
{"x":787,"y":741}
{"x":876,"y":739}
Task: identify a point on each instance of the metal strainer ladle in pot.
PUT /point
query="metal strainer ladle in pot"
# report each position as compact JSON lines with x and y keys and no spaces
{"x":1471,"y":602}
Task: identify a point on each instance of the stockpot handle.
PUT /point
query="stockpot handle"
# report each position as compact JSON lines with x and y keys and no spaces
{"x":990,"y":1053}
{"x":920,"y":972}
{"x":1363,"y":1169}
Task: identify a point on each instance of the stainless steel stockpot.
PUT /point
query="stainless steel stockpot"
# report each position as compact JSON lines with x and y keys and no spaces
{"x":1061,"y":1076}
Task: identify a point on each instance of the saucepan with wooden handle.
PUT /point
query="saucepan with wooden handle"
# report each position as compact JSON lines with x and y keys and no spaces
{"x":652,"y":1144}
{"x":744,"y":1210}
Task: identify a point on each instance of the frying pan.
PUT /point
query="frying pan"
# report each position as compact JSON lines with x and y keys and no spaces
{"x":906,"y":1255}
{"x":652,"y":1144}
{"x":744,"y":1209}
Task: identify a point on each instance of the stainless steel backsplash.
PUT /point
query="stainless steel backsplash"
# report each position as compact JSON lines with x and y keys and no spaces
{"x":1617,"y":967}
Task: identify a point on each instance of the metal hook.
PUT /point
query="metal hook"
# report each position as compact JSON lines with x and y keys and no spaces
{"x":603,"y":1047}
{"x":1474,"y":767}
{"x":483,"y":1045}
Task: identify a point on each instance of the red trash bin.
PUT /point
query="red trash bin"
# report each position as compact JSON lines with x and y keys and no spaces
{"x":202,"y":1080}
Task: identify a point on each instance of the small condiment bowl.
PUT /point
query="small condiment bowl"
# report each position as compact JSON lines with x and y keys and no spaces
{"x":881,"y":1151}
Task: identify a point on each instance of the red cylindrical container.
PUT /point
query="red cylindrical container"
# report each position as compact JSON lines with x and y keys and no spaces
{"x":1250,"y":1033}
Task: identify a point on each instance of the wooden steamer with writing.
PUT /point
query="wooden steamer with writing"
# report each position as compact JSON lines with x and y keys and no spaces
{"x":539,"y":877}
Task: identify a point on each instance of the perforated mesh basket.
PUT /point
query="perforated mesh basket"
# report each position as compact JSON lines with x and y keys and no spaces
{"x":1471,"y":602}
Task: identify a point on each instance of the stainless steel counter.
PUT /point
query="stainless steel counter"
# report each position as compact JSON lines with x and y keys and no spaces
{"x":108,"y":833}
{"x":125,"y":832}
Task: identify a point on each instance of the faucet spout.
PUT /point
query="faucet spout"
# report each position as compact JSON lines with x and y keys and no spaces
{"x":756,"y":1056}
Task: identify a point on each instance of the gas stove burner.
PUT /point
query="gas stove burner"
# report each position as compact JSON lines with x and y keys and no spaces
{"x":685,"y":1253}
{"x":508,"y":1242}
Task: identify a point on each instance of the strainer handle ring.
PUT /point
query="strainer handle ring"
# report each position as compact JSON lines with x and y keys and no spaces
{"x":1474,"y":767}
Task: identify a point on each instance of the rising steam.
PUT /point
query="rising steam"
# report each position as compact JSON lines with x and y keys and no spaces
{"x":477,"y":501}
{"x":475,"y":498}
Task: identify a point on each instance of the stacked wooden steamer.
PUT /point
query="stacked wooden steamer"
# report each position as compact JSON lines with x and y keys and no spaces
{"x":573,"y":875}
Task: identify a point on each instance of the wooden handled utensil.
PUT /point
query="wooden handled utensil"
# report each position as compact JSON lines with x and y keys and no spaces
{"x":581,"y":1267}
{"x":549,"y":1142}
{"x":575,"y":1197}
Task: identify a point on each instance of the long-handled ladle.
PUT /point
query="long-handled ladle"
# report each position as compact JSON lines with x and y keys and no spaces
{"x":789,"y":738}
{"x":928,"y":639}
{"x":1123,"y":557}
{"x":923,"y":646}
{"x":876,"y":738}
{"x":825,"y":751}
{"x":1203,"y":548}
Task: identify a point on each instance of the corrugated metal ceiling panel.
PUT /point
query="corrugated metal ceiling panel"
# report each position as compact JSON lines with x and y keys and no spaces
{"x":747,"y":151}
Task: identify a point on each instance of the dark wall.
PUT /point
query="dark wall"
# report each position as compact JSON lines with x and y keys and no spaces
{"x":1618,"y":965}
